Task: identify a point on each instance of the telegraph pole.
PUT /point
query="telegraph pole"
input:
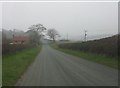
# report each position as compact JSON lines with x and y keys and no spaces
{"x":67,"y":36}
{"x":85,"y":35}
{"x":14,"y":30}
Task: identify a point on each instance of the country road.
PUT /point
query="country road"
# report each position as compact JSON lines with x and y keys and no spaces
{"x":55,"y":68}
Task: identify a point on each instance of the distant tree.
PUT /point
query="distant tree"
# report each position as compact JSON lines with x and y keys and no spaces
{"x":38,"y":27}
{"x":52,"y":33}
{"x":35,"y":33}
{"x":5,"y":39}
{"x":34,"y":37}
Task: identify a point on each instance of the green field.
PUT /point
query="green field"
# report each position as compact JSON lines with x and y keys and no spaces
{"x":101,"y":59}
{"x":15,"y":64}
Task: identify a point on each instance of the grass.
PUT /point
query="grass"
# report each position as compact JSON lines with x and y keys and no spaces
{"x":0,"y":71}
{"x":101,"y":59}
{"x":15,"y":64}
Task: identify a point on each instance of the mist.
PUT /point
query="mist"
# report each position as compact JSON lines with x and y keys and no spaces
{"x":68,"y":18}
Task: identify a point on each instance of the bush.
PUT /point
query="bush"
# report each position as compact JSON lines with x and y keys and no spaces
{"x":105,"y":46}
{"x":7,"y":48}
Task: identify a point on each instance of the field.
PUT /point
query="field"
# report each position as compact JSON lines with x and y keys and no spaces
{"x":15,"y":64}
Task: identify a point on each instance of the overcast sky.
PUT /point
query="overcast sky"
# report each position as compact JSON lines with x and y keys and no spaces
{"x":70,"y":18}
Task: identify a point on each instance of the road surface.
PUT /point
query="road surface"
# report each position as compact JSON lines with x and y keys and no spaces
{"x":55,"y":68}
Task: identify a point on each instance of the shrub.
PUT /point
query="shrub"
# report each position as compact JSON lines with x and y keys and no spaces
{"x":105,"y":46}
{"x":7,"y":48}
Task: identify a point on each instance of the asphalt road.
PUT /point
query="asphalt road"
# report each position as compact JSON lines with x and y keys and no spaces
{"x":55,"y":68}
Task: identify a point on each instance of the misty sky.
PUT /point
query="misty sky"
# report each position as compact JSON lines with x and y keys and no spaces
{"x":70,"y":18}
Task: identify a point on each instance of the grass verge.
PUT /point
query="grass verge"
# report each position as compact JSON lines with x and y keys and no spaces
{"x":101,"y":59}
{"x":15,"y":64}
{"x":0,"y":70}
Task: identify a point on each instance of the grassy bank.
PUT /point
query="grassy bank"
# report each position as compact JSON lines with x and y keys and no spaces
{"x":101,"y":59}
{"x":15,"y":64}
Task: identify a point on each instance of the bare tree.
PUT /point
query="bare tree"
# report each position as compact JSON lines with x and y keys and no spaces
{"x":52,"y":33}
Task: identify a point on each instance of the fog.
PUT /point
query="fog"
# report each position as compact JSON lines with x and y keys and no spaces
{"x":68,"y":18}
